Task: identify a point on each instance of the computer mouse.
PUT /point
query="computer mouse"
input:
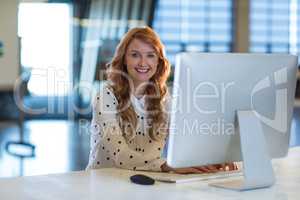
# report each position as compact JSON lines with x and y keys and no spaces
{"x":142,"y":179}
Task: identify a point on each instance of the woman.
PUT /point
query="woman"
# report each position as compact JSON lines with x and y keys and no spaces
{"x":130,"y":119}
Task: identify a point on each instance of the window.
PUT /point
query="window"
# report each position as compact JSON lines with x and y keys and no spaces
{"x":194,"y":25}
{"x":273,"y":26}
{"x":45,"y":42}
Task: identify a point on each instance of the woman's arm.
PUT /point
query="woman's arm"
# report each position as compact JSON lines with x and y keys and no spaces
{"x":200,"y":169}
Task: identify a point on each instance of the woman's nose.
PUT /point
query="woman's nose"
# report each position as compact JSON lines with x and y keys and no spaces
{"x":143,"y":61}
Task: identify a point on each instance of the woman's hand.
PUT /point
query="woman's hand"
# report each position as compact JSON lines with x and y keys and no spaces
{"x":200,"y":169}
{"x":217,"y":167}
{"x":187,"y":170}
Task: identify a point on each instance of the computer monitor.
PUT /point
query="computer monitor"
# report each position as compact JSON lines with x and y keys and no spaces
{"x":232,"y":107}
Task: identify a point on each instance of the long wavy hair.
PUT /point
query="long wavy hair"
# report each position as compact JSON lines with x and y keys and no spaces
{"x":155,"y":90}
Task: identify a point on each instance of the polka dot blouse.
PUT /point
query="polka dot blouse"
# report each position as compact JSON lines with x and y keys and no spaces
{"x":109,"y":148}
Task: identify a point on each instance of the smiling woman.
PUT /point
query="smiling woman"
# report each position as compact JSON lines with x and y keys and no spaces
{"x":129,"y":119}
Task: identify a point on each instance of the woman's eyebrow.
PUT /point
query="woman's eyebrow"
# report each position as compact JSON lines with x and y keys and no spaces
{"x":133,"y":50}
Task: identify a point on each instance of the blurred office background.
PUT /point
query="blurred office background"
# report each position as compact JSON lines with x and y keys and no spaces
{"x":63,"y":46}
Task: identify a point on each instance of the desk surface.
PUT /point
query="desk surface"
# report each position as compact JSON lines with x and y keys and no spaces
{"x":115,"y":184}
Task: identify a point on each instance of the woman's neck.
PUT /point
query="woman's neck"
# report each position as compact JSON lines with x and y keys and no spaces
{"x":139,"y":90}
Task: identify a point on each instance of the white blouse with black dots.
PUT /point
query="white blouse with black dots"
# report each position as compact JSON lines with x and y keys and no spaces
{"x":110,"y":149}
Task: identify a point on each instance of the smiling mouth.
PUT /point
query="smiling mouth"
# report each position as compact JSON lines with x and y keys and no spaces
{"x":142,"y":70}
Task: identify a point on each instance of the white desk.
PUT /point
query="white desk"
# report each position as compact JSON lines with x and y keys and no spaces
{"x":115,"y":184}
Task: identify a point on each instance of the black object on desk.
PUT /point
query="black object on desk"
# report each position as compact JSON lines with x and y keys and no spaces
{"x":142,"y":179}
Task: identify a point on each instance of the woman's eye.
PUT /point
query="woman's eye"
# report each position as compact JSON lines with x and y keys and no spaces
{"x":134,"y":55}
{"x":151,"y":55}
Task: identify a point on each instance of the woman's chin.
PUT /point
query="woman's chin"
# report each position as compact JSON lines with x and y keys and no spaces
{"x":143,"y":77}
{"x":140,"y":80}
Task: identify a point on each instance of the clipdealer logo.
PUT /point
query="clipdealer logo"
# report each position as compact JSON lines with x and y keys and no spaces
{"x":279,"y":122}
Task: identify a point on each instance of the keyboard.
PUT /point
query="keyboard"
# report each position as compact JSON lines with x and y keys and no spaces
{"x":183,"y":178}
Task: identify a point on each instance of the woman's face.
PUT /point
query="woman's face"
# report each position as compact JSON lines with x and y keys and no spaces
{"x":141,"y":61}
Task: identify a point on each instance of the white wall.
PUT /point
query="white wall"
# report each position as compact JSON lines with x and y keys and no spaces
{"x":9,"y":62}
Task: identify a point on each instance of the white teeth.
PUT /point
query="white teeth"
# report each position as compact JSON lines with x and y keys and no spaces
{"x":142,"y":70}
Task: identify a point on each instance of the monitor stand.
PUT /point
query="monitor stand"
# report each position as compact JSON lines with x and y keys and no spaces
{"x":257,"y":167}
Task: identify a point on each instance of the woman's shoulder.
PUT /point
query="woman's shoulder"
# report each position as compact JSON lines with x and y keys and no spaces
{"x":105,"y":90}
{"x":105,"y":96}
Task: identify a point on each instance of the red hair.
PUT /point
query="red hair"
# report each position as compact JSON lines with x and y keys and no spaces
{"x":156,"y":88}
